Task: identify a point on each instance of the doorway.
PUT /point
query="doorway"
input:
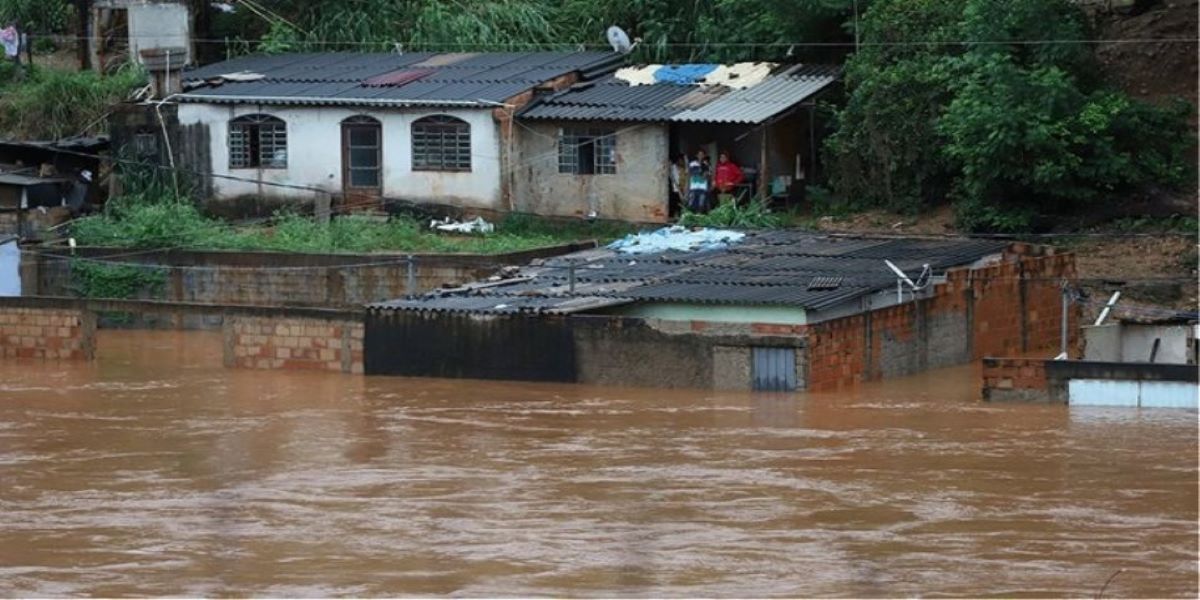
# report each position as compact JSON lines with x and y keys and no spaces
{"x":362,"y":160}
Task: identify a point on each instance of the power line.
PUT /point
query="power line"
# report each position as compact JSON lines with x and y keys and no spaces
{"x":579,"y":45}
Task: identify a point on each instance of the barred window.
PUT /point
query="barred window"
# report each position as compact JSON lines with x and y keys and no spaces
{"x":587,"y":151}
{"x":145,"y":144}
{"x":441,"y":143}
{"x":257,"y":141}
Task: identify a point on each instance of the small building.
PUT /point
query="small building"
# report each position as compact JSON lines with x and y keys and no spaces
{"x":773,"y":310}
{"x":1145,"y":334}
{"x":603,"y":148}
{"x":421,"y":127}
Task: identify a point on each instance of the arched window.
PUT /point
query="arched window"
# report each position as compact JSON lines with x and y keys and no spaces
{"x":441,"y":143}
{"x":257,"y":142}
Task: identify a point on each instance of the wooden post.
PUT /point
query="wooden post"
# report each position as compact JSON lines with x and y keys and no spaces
{"x":764,"y":187}
{"x":83,"y":12}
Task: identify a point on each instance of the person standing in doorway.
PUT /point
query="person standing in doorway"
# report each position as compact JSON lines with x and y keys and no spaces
{"x":728,"y":176}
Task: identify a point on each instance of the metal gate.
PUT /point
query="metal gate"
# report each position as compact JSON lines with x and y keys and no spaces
{"x":774,"y":369}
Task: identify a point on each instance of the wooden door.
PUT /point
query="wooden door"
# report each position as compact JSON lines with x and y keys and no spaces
{"x":362,"y":162}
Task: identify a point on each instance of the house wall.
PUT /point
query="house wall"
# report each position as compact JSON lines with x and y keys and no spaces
{"x":637,"y":192}
{"x":315,"y":160}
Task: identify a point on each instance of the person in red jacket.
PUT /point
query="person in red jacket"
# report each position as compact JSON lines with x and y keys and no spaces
{"x":728,"y":174}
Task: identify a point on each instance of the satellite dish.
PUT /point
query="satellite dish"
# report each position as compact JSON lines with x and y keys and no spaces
{"x":619,"y":40}
{"x":902,"y":278}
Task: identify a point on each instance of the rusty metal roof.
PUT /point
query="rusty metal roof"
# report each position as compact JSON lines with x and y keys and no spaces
{"x":612,"y":99}
{"x":388,"y":79}
{"x":766,"y":268}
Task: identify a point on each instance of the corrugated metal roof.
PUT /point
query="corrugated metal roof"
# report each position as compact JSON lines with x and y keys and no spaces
{"x":611,"y":99}
{"x":482,"y":79}
{"x":766,"y":268}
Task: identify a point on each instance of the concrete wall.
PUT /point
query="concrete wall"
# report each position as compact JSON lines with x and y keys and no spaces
{"x":57,"y":333}
{"x":637,"y":192}
{"x":282,"y":279}
{"x":315,"y":158}
{"x":1133,"y":342}
{"x":293,"y":343}
{"x":159,"y":25}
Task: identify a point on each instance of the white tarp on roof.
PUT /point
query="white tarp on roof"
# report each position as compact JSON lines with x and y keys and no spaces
{"x":676,"y":238}
{"x":739,"y":75}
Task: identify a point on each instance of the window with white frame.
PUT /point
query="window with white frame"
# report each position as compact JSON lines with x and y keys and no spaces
{"x":587,"y":151}
{"x":257,"y":142}
{"x":441,"y":143}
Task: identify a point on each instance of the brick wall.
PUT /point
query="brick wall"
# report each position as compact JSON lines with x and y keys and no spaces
{"x":294,"y":343}
{"x":1015,"y":379}
{"x":1008,"y":308}
{"x":46,"y":333}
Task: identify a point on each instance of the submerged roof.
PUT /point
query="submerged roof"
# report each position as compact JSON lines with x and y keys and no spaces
{"x":615,"y":98}
{"x":771,"y":268}
{"x":387,"y":79}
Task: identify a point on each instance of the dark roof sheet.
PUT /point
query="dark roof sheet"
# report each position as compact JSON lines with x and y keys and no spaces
{"x":611,"y":99}
{"x":766,"y":268}
{"x":480,"y":79}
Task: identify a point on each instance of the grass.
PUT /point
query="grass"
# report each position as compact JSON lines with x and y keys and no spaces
{"x":131,"y":223}
{"x":51,"y":103}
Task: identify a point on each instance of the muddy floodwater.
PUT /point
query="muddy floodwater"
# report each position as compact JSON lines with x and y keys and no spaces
{"x":155,"y":471}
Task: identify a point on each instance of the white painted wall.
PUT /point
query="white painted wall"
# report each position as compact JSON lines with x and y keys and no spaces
{"x":315,"y":159}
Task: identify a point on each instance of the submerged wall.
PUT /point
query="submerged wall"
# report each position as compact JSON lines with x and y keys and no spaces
{"x":999,"y":310}
{"x":46,"y":332}
{"x":294,"y":343}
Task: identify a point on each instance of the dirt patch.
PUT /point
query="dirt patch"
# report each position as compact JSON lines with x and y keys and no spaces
{"x":1152,"y":70}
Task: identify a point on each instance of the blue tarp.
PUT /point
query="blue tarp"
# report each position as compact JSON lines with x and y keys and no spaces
{"x":683,"y":74}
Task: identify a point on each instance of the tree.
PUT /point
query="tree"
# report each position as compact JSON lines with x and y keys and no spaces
{"x":994,"y":105}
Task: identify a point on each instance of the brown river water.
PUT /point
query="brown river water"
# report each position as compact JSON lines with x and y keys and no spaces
{"x":155,"y":471}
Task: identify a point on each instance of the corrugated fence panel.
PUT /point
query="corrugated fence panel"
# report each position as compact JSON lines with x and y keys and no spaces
{"x":774,"y":369}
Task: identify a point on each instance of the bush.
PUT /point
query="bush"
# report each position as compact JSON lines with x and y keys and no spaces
{"x":754,"y":214}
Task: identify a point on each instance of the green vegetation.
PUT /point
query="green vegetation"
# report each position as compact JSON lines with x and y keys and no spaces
{"x":754,"y":214}
{"x":179,"y":224}
{"x":1011,"y":127}
{"x":49,"y":103}
{"x":671,"y":30}
{"x":99,"y":280}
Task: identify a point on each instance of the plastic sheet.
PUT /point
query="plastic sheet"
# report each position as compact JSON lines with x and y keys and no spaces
{"x":676,"y":238}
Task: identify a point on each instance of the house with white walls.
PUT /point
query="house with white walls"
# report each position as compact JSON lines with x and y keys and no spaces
{"x":419,"y":127}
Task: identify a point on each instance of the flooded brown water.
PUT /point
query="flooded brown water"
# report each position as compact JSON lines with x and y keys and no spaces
{"x":154,"y":471}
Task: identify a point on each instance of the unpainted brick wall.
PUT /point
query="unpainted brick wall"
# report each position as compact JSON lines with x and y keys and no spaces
{"x":1015,"y":379}
{"x":294,"y":343}
{"x":1004,"y":309}
{"x":47,"y":333}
